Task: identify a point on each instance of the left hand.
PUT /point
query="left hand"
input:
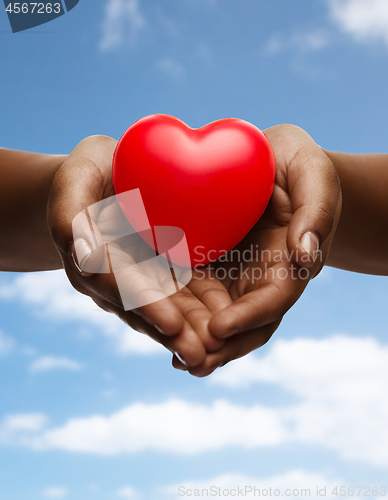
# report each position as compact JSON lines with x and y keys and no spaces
{"x":292,"y":238}
{"x":177,"y":320}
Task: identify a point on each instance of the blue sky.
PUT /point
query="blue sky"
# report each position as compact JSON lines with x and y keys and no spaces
{"x":92,"y":410}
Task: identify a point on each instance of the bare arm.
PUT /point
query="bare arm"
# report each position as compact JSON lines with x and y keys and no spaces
{"x":25,"y":182}
{"x":360,"y":243}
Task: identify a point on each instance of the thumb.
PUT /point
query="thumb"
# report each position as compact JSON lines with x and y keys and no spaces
{"x":84,"y":179}
{"x":315,"y":194}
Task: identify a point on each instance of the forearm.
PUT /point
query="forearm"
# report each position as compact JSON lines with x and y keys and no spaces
{"x":25,"y":182}
{"x":361,"y":241}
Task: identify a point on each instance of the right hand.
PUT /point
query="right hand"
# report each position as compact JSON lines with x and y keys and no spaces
{"x":306,"y":202}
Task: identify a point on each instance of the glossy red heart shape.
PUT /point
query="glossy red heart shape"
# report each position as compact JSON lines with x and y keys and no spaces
{"x":213,"y":182}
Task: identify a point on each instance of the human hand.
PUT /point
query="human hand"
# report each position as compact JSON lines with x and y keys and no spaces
{"x":292,"y":239}
{"x":177,"y":319}
{"x":208,"y":304}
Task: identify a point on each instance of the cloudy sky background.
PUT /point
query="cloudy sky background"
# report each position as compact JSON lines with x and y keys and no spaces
{"x":92,"y":410}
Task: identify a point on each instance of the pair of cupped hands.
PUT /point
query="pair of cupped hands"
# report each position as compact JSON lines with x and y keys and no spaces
{"x":211,"y":321}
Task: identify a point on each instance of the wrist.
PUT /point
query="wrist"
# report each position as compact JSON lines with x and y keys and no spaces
{"x":360,"y":241}
{"x":49,"y":166}
{"x":25,"y":183}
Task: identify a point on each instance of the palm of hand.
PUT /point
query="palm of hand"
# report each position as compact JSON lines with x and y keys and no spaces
{"x":261,"y":275}
{"x":200,"y":321}
{"x":261,"y":279}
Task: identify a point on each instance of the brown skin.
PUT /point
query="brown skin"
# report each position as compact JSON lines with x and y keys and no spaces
{"x":25,"y":183}
{"x":200,"y":322}
{"x":296,"y":208}
{"x":361,"y":240}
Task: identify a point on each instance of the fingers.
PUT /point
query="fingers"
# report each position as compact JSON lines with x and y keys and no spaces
{"x":164,"y":315}
{"x":203,"y":297}
{"x":156,"y":293}
{"x":87,"y":248}
{"x":316,"y":201}
{"x":187,"y":345}
{"x":264,"y":305}
{"x":197,"y":315}
{"x":210,"y":291}
{"x":133,"y":287}
{"x":235,"y":347}
{"x":76,"y":214}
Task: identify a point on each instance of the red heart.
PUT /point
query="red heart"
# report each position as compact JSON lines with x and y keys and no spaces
{"x":213,"y":182}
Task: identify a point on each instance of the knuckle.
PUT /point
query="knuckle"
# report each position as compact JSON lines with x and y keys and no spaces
{"x":325,"y":214}
{"x":197,"y":312}
{"x":201,"y":371}
{"x":193,"y":357}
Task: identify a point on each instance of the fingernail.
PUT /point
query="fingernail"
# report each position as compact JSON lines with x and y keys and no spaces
{"x":310,"y":244}
{"x":80,"y":253}
{"x":160,"y":330}
{"x":180,"y":358}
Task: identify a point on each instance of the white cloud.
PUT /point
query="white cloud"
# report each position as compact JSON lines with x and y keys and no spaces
{"x":335,"y":367}
{"x":337,"y":385}
{"x":364,"y":19}
{"x":232,"y":484}
{"x":15,"y":428}
{"x":341,"y":384}
{"x":171,"y":68}
{"x":23,"y":422}
{"x":302,"y":42}
{"x":123,"y":23}
{"x":55,"y":492}
{"x":48,"y":363}
{"x":127,"y":492}
{"x":6,"y":344}
{"x":51,"y":297}
{"x":180,"y":427}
